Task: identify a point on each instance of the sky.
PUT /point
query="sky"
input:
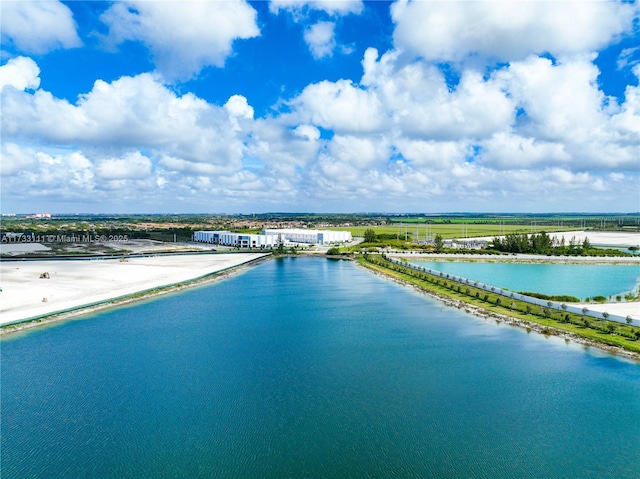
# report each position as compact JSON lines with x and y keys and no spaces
{"x":319,"y":106}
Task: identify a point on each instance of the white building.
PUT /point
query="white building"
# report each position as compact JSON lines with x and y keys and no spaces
{"x":309,"y":236}
{"x":241,"y":240}
{"x":271,"y":238}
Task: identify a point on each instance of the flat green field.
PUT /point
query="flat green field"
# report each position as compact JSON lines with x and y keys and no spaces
{"x":419,"y":231}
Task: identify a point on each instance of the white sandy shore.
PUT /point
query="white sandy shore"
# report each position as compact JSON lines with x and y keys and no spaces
{"x":631,"y":308}
{"x":73,"y":284}
{"x":599,"y":238}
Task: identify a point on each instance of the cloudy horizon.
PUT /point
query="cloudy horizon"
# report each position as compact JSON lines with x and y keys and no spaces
{"x":320,"y":106}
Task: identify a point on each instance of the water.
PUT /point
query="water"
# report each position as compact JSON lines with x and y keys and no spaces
{"x":579,"y":280}
{"x":311,"y":368}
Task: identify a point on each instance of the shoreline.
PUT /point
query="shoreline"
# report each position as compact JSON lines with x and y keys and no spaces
{"x":21,"y":324}
{"x":510,"y":320}
{"x":619,"y":308}
{"x":521,"y":258}
{"x":76,"y":312}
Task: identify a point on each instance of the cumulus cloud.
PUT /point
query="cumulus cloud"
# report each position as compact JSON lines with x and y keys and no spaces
{"x":15,"y":159}
{"x":320,"y":38}
{"x":340,"y":106}
{"x":406,"y":128}
{"x":131,"y":112}
{"x":562,"y":104}
{"x":360,"y":153}
{"x":418,"y":99}
{"x":132,"y":166}
{"x":333,"y":7}
{"x":55,"y":175}
{"x":433,"y":154}
{"x":282,"y":151}
{"x":38,"y":26}
{"x":21,"y":73}
{"x":182,"y":40}
{"x":510,"y":151}
{"x":456,"y":31}
{"x":402,"y":137}
{"x":238,"y":106}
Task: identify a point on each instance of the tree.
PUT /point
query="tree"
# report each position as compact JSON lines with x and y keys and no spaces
{"x":369,"y":236}
{"x":280,"y":249}
{"x":629,"y":320}
{"x":438,"y":242}
{"x":586,"y":244}
{"x":605,"y":315}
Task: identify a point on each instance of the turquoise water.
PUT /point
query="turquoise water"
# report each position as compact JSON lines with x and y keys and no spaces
{"x":311,"y":368}
{"x":579,"y":280}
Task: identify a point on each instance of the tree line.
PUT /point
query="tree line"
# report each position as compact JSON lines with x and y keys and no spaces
{"x":540,"y":243}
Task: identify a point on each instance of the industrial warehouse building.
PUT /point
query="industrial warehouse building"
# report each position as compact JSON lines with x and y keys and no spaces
{"x":271,"y":238}
{"x":310,"y":236}
{"x":241,"y":240}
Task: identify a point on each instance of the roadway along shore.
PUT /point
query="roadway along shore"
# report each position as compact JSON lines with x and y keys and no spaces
{"x":76,"y":287}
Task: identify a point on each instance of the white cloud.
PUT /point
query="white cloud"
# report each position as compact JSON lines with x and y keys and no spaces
{"x":34,"y":173}
{"x":21,"y":73}
{"x":628,"y":58}
{"x":182,"y":40}
{"x":418,"y":99}
{"x":506,"y":151}
{"x":131,"y":112}
{"x":455,"y":31}
{"x":283,"y":151}
{"x":38,"y":26}
{"x":307,"y":132}
{"x":340,"y":106}
{"x":359,"y":152}
{"x":320,"y":38}
{"x":433,"y":154}
{"x":563,"y":104}
{"x":16,"y":159}
{"x":238,"y":106}
{"x":130,"y":167}
{"x":331,"y":7}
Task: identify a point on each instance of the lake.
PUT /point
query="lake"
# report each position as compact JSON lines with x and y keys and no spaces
{"x":305,"y":367}
{"x":579,"y":280}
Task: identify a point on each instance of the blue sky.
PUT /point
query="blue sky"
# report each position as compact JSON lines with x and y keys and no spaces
{"x":320,"y":106}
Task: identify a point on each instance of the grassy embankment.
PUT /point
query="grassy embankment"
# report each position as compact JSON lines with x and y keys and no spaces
{"x":553,"y":322}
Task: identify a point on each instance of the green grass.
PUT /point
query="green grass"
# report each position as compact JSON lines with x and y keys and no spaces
{"x":448,"y":230}
{"x":622,"y":337}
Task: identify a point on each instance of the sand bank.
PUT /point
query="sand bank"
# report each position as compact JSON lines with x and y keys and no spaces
{"x":597,"y":238}
{"x":75,"y":284}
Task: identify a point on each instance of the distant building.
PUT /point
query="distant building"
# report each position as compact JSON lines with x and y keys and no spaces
{"x":240,"y":240}
{"x":465,"y":243}
{"x":41,"y":216}
{"x":310,"y":236}
{"x":271,"y":238}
